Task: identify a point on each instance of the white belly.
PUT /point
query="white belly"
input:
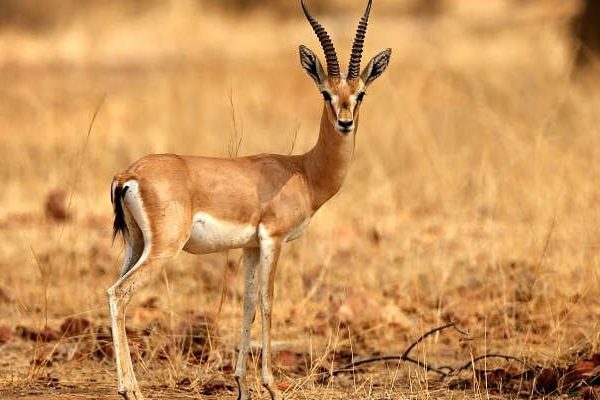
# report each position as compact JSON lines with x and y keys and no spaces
{"x":209,"y":235}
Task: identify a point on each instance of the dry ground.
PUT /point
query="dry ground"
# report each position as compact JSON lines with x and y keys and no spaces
{"x":473,"y":197}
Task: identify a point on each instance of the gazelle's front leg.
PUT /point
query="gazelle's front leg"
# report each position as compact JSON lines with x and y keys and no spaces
{"x":251,"y":262}
{"x":270,"y":247}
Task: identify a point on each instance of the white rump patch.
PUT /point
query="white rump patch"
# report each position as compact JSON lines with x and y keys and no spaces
{"x":113,"y":187}
{"x":210,"y":235}
{"x":132,"y":200}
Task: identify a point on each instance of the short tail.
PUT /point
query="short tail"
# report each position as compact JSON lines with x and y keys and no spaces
{"x":119,"y":225}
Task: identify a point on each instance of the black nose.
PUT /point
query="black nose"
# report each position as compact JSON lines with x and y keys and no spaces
{"x":345,"y":124}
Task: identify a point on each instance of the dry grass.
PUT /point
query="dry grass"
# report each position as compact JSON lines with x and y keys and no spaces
{"x":472,"y":197}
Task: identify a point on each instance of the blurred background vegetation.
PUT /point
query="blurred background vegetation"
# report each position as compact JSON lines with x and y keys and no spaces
{"x":42,"y":16}
{"x":39,"y":15}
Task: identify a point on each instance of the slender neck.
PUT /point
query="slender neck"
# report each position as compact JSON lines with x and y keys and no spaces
{"x":327,"y":163}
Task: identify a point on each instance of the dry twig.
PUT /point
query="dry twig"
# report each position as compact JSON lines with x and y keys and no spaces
{"x":444,"y":371}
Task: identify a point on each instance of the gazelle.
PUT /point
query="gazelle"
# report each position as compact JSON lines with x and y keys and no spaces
{"x":165,"y":203}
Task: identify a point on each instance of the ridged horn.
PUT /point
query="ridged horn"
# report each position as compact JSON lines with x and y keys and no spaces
{"x":333,"y":66}
{"x":357,"y":46}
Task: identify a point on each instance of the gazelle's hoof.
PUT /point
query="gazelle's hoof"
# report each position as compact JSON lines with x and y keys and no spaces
{"x":243,"y":392}
{"x":131,"y":394}
{"x":243,"y":396}
{"x":273,"y":392}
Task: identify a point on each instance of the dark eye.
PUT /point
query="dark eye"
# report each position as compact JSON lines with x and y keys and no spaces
{"x":326,"y":96}
{"x":360,"y":96}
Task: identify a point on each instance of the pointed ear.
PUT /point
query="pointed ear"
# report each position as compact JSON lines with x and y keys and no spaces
{"x":376,"y":66}
{"x":312,"y":65}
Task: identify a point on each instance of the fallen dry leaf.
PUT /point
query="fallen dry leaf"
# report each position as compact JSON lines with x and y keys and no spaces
{"x":547,"y":381}
{"x":151,"y":302}
{"x":4,"y":297}
{"x":291,"y":361}
{"x":577,"y":372}
{"x":5,"y":334}
{"x":75,"y":326}
{"x":590,"y":393}
{"x":45,"y":335}
{"x":286,"y":359}
{"x":284,"y":385}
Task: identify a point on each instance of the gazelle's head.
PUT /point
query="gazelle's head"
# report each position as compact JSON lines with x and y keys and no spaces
{"x":343,"y":94}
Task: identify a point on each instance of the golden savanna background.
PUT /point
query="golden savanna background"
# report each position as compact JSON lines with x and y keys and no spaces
{"x":473,"y":197}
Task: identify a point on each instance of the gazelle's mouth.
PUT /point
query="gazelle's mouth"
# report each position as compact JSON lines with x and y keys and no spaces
{"x":344,"y":129}
{"x":345,"y":126}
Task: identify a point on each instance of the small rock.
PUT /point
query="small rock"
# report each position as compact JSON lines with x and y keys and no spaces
{"x":56,"y":206}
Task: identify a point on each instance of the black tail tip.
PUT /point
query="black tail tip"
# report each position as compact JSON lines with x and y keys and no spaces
{"x":119,"y":225}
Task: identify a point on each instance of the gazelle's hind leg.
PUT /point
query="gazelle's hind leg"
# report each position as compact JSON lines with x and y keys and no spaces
{"x":119,"y":296}
{"x":146,"y":252}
